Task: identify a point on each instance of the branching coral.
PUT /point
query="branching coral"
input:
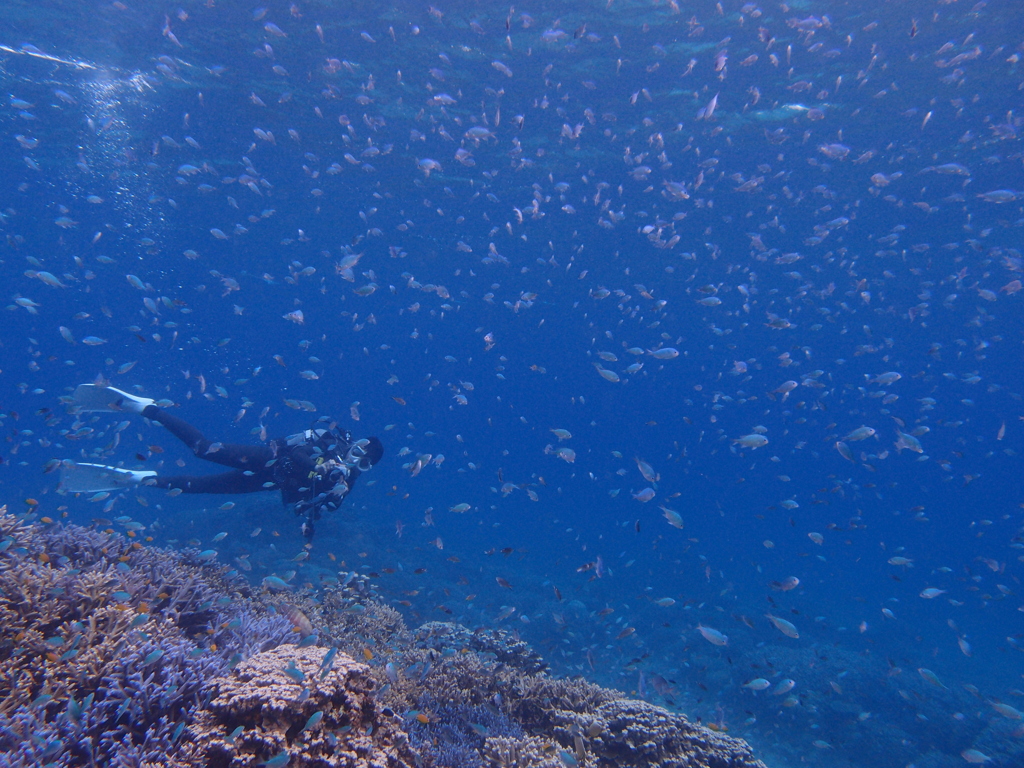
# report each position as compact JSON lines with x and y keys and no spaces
{"x":504,"y":646}
{"x":105,"y":647}
{"x":455,"y":734}
{"x":537,"y":696}
{"x":529,"y":752}
{"x":116,"y":654}
{"x":354,"y":621}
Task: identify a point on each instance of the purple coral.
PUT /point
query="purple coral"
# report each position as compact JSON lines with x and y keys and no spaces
{"x":108,"y":646}
{"x":455,"y":735}
{"x":121,"y":655}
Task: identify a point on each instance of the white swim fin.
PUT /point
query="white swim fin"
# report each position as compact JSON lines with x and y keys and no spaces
{"x":89,"y":478}
{"x":93,"y":397}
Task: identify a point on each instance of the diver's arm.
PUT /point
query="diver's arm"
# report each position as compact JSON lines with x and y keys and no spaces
{"x":302,"y":456}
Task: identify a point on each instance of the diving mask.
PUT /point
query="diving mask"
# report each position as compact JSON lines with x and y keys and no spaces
{"x":356,"y":457}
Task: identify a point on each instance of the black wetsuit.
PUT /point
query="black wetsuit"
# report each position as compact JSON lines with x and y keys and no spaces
{"x":292,"y":469}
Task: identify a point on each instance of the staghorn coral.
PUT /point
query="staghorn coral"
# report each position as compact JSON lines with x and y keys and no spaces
{"x":95,"y":691}
{"x":529,"y":752}
{"x":352,"y":620}
{"x":346,"y":617}
{"x":424,"y":679}
{"x":106,"y":646}
{"x":442,"y":662}
{"x":455,"y":734}
{"x":288,"y":701}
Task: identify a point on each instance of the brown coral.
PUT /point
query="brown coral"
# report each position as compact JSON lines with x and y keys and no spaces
{"x":527,"y":752}
{"x":288,"y":701}
{"x":354,"y":621}
{"x":499,"y":644}
{"x":627,"y":733}
{"x":600,"y":727}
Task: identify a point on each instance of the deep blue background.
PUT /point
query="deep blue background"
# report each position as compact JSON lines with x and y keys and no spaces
{"x":848,"y":298}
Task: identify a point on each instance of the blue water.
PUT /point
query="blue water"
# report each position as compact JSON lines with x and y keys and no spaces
{"x":817,"y":204}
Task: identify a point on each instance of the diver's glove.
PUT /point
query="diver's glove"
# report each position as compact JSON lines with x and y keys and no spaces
{"x":327,"y":501}
{"x":337,"y":481}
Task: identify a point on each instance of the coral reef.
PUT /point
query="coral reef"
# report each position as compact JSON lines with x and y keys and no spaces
{"x":506,"y":716}
{"x":316,"y":709}
{"x":456,"y":734}
{"x":498,"y":643}
{"x":106,"y":646}
{"x":627,"y":733}
{"x":113,"y":653}
{"x":530,"y":752}
{"x":354,"y":621}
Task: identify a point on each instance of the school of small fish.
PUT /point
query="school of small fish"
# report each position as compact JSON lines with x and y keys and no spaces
{"x":756,"y":263}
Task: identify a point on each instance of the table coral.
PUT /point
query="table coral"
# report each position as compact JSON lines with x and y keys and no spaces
{"x":504,"y":646}
{"x":287,"y":700}
{"x":632,"y":734}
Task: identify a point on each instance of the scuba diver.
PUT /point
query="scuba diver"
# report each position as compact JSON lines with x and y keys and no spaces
{"x":314,"y":470}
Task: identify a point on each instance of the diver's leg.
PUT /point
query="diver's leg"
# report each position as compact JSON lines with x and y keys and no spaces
{"x":251,"y":457}
{"x":236,"y":481}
